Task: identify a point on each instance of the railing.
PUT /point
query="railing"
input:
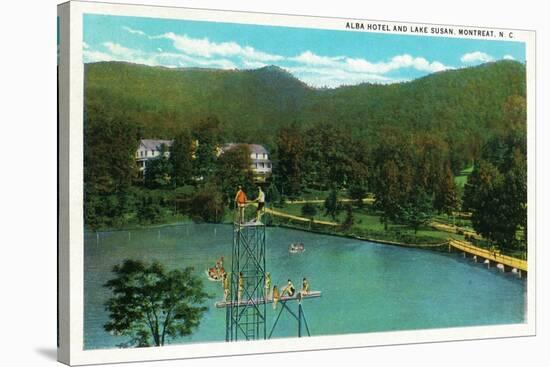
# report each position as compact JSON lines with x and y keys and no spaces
{"x":489,"y":255}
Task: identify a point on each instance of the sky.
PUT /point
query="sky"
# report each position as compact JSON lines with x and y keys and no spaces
{"x":320,"y":58}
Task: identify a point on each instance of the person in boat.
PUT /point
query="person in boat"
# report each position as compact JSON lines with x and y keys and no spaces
{"x":297,"y":247}
{"x":240,"y":202}
{"x":241,"y":287}
{"x":219,"y":268}
{"x":305,"y":287}
{"x":275,"y":296}
{"x":267,"y":285}
{"x":212,"y":273}
{"x":261,"y":204}
{"x":289,"y":289}
{"x":225,"y":287}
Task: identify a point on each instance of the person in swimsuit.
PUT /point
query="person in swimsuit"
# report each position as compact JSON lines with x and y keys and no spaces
{"x":305,"y":287}
{"x":225,"y":287}
{"x":241,"y":287}
{"x":267,"y":285}
{"x":289,"y":289}
{"x":261,"y":204}
{"x":240,"y":201}
{"x":276,"y":296}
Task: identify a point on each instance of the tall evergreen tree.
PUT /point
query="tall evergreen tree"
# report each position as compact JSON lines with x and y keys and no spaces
{"x":181,"y":159}
{"x":290,"y":167}
{"x":208,"y":139}
{"x":331,"y":204}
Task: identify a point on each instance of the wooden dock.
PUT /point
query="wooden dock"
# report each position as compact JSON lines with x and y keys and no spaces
{"x":492,"y":257}
{"x":222,"y":304}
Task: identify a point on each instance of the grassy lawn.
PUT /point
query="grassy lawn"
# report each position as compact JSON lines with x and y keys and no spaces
{"x":460,"y":180}
{"x":366,"y":220}
{"x":462,"y":223}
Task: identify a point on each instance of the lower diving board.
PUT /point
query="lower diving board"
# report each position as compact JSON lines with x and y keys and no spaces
{"x":296,"y":297}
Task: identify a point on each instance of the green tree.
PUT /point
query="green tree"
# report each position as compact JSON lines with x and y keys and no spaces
{"x":158,"y":171}
{"x":234,"y":168}
{"x":274,"y":195}
{"x":496,"y":191}
{"x":418,"y":210}
{"x":208,"y":135}
{"x":108,"y":172}
{"x":150,"y":304}
{"x":181,"y":159}
{"x":446,"y":196}
{"x":207,"y":205}
{"x":314,"y":160}
{"x":309,"y":210}
{"x":392,"y":176}
{"x":357,"y":193}
{"x":348,"y":221}
{"x":290,"y":161}
{"x":331,"y":204}
{"x":149,"y":210}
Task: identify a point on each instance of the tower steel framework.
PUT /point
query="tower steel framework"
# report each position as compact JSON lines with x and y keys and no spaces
{"x":246,"y":309}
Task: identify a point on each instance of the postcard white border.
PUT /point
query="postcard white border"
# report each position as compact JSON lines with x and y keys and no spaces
{"x":79,"y":356}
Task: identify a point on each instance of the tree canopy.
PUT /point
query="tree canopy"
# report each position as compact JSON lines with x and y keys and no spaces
{"x":150,"y":304}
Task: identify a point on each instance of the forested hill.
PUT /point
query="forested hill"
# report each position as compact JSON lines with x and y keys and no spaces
{"x":464,"y":105}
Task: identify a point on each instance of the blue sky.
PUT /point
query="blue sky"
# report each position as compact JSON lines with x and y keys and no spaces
{"x":320,"y":58}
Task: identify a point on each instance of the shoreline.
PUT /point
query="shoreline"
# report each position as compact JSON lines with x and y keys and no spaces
{"x":286,"y":226}
{"x":433,"y":247}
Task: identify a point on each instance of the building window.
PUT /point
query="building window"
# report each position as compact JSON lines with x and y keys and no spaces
{"x":152,"y":153}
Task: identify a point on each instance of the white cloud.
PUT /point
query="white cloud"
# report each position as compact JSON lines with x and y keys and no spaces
{"x":205,"y":48}
{"x":508,"y":57}
{"x":119,"y":50}
{"x":475,"y":57}
{"x":95,"y":56}
{"x":253,"y":64}
{"x":85,"y":45}
{"x":320,"y":77}
{"x":359,"y":65}
{"x":134,"y":31}
{"x":309,"y":58}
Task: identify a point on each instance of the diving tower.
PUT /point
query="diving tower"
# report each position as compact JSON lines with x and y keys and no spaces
{"x":246,"y":304}
{"x":246,"y":310}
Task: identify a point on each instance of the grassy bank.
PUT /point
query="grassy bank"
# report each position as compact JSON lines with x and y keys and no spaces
{"x":366,"y":224}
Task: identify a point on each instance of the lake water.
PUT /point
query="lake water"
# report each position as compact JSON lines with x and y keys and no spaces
{"x":366,"y":287}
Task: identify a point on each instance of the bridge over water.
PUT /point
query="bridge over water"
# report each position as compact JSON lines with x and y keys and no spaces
{"x":491,"y":258}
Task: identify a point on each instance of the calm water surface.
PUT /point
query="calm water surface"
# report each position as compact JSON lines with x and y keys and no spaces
{"x":366,"y":287}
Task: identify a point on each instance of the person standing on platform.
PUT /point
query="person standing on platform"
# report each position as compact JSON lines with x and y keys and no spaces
{"x":261,"y":204}
{"x":240,"y":202}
